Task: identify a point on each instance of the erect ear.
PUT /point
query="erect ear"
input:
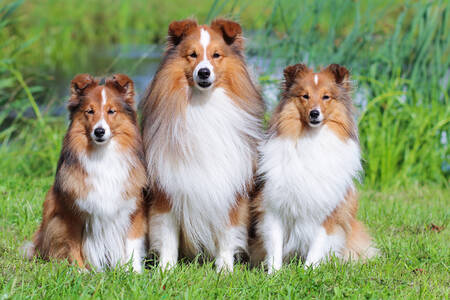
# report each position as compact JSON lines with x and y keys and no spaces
{"x":341,"y":74}
{"x":293,"y":72}
{"x":79,"y":86}
{"x":124,"y":85}
{"x":231,"y":31}
{"x":178,"y":29}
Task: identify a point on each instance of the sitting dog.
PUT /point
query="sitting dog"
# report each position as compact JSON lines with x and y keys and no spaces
{"x":308,"y":203}
{"x":201,"y":125}
{"x":94,"y":213}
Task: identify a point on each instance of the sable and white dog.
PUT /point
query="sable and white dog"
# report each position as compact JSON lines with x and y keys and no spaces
{"x":94,"y":213}
{"x":201,"y":125}
{"x":308,"y":203}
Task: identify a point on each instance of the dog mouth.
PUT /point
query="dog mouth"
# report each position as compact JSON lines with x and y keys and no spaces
{"x":100,"y":141}
{"x":204,"y":84}
{"x":314,"y":123}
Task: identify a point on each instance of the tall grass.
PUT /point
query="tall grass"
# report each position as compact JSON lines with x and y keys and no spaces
{"x":28,"y":140}
{"x":401,"y":71}
{"x":398,"y":54}
{"x":401,"y":139}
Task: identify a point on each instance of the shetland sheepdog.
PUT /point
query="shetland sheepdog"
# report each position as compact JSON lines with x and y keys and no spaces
{"x":308,"y":203}
{"x":201,"y":126}
{"x":94,"y":214}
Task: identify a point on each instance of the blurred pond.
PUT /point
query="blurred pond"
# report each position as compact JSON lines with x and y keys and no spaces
{"x":141,"y":62}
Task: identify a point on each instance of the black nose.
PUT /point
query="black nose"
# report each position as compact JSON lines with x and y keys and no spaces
{"x":204,"y":73}
{"x":314,"y":114}
{"x":99,"y":132}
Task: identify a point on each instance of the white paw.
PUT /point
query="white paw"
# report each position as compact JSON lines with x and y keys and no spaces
{"x":27,"y":250}
{"x":83,"y":270}
{"x":311,"y":264}
{"x":167,"y":264}
{"x":137,"y":267}
{"x":224,"y":264}
{"x":273,"y":268}
{"x":273,"y":264}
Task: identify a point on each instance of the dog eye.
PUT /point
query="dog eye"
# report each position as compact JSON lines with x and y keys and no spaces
{"x":193,"y":55}
{"x":326,"y":97}
{"x":306,"y":96}
{"x":90,"y":111}
{"x":111,"y":111}
{"x":216,"y":55}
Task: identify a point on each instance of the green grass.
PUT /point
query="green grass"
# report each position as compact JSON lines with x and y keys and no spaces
{"x":399,"y":56}
{"x":414,"y":263}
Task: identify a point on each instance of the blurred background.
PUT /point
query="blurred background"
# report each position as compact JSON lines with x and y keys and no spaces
{"x":398,"y":53}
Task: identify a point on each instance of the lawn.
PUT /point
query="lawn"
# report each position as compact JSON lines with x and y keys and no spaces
{"x":399,"y":56}
{"x":410,"y":227}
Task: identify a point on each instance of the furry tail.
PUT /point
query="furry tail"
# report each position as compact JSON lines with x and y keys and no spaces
{"x":27,"y":250}
{"x":257,"y":252}
{"x":360,"y":244}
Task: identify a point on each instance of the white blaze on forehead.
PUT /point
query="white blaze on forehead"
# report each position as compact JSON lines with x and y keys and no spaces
{"x":204,"y":41}
{"x":316,"y":79}
{"x":102,"y":120}
{"x":103,"y":97}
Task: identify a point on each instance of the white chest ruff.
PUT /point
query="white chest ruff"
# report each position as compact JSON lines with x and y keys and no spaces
{"x":108,"y":211}
{"x":211,"y":166}
{"x":306,"y":180}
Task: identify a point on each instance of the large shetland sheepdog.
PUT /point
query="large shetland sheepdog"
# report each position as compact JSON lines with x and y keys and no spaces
{"x":94,"y":213}
{"x":201,"y":124}
{"x":308,"y":204}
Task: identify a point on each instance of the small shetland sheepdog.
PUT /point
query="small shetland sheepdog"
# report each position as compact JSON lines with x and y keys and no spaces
{"x":201,"y":126}
{"x":94,"y":214}
{"x":308,"y":203}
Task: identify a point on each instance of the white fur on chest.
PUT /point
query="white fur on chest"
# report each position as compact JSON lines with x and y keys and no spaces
{"x":306,"y":180}
{"x":108,"y":211}
{"x":211,"y":166}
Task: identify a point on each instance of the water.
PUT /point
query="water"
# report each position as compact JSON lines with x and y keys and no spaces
{"x":140,"y":62}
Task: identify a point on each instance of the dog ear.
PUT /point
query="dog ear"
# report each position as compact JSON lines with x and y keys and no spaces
{"x":341,"y":74}
{"x":231,"y":32}
{"x":124,"y":85}
{"x":293,"y":72}
{"x":79,"y":86}
{"x":178,"y":29}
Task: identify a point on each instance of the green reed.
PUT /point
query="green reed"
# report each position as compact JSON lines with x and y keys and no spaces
{"x":398,"y":54}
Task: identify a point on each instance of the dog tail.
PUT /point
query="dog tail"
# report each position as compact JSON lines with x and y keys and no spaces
{"x":27,"y":250}
{"x":360,"y":244}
